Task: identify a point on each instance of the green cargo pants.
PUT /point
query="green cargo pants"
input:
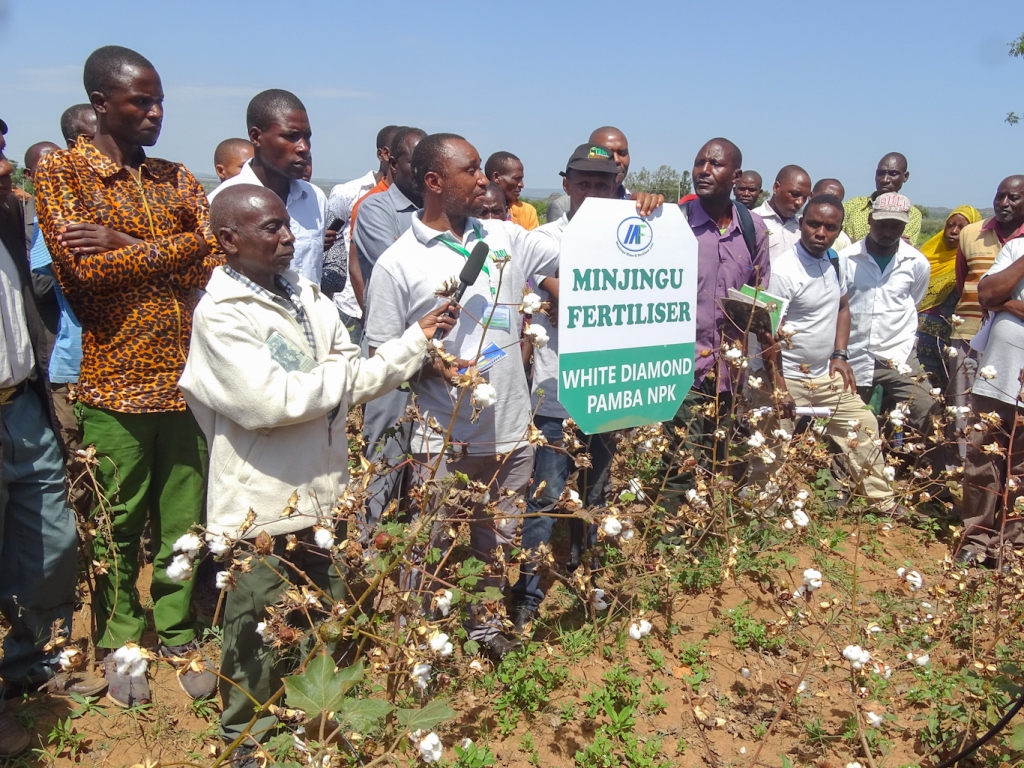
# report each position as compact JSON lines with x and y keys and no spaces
{"x":251,"y":666}
{"x":151,"y":466}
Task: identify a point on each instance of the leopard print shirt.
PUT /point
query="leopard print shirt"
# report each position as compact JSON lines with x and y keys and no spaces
{"x":135,"y":303}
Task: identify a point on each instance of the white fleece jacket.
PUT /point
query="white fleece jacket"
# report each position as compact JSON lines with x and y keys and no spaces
{"x":267,"y":428}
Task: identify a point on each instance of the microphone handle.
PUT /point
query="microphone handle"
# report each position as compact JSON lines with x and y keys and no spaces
{"x":455,"y":298}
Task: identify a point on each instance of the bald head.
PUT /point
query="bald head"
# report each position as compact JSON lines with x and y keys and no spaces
{"x":1009,"y":203}
{"x":252,"y":226}
{"x":791,"y":189}
{"x":832,"y":187}
{"x":235,"y":204}
{"x":615,"y":141}
{"x":891,"y":173}
{"x":34,"y":153}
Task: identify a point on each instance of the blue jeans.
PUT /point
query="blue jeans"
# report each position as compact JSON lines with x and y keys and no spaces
{"x":38,"y":541}
{"x":553,"y":468}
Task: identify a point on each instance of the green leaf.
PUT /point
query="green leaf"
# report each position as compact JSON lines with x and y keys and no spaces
{"x":362,"y":715}
{"x":320,"y":687}
{"x":1016,"y":738}
{"x":786,"y":763}
{"x":435,"y":712}
{"x":471,"y":647}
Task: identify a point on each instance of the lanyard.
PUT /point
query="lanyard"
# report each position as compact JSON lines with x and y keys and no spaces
{"x":465,"y":254}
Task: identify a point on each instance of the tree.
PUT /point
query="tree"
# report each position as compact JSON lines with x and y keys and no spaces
{"x":666,"y":181}
{"x":1017,"y":51}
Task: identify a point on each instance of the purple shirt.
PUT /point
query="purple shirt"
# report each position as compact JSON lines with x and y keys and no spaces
{"x":723,"y":262}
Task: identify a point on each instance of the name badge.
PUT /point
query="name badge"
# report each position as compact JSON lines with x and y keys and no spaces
{"x":501,"y":317}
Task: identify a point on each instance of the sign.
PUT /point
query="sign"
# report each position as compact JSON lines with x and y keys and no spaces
{"x":626,"y":315}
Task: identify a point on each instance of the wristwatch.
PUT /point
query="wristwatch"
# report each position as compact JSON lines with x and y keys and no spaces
{"x":841,"y":354}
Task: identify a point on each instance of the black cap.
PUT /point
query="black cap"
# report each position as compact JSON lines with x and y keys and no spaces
{"x":3,"y":127}
{"x":592,"y":158}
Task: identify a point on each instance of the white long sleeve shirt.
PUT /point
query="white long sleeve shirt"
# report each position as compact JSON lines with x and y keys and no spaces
{"x":883,"y":306}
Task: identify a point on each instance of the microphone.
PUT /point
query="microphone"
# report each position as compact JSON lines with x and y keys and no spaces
{"x":467,"y":277}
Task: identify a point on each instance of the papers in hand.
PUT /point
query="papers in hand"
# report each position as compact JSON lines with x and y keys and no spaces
{"x":754,"y":309}
{"x":288,"y":355}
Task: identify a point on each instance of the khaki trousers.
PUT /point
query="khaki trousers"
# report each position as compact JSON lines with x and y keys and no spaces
{"x":866,"y":463}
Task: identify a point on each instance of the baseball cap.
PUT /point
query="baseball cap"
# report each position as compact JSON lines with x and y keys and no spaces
{"x":593,"y":158}
{"x":891,"y":206}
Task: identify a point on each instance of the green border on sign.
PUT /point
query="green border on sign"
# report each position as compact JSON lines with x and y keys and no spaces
{"x":600,"y":406}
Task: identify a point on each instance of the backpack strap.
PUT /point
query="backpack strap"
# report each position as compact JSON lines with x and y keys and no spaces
{"x":745,"y":221}
{"x":747,"y":228}
{"x":833,"y":259}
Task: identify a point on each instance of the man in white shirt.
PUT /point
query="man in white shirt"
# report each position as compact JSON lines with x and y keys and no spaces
{"x":887,"y":278}
{"x":780,"y":211}
{"x":340,"y":202}
{"x":492,"y":443}
{"x":280,"y":135}
{"x":996,"y":401}
{"x":814,"y":371}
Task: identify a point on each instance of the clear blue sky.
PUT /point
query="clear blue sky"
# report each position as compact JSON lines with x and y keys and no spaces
{"x":829,"y":86}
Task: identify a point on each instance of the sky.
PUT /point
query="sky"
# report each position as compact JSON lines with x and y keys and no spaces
{"x":828,"y":86}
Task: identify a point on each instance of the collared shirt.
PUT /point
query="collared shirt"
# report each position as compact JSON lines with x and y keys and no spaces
{"x":545,"y":359}
{"x":723,"y":262}
{"x":340,"y":203}
{"x":289,"y":302}
{"x":523,"y":214}
{"x":307,"y":209}
{"x":403,"y":290}
{"x":979,"y":244}
{"x":382,"y":220}
{"x":135,"y":303}
{"x":66,"y":357}
{"x":813,"y":289}
{"x":883,"y":306}
{"x":858,"y":209}
{"x":16,"y":356}
{"x":782,"y":235}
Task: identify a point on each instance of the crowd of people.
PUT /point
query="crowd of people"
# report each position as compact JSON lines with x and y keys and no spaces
{"x":180,"y":365}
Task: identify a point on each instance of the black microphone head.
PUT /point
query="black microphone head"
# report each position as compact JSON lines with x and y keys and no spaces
{"x":474,"y":263}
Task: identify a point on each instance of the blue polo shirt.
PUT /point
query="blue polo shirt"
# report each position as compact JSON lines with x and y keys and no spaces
{"x":66,"y":357}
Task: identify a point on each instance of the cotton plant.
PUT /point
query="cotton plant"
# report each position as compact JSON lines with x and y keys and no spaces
{"x":429,"y":746}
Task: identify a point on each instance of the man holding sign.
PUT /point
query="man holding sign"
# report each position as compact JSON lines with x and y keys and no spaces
{"x":590,"y":172}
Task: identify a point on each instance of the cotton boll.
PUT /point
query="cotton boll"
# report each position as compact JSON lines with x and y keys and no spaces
{"x":264,"y":632}
{"x":180,"y":568}
{"x":812,"y":579}
{"x":218,"y":544}
{"x":485,"y":395}
{"x":324,"y":538}
{"x":756,"y":440}
{"x":787,"y":524}
{"x":189,"y":544}
{"x":130,"y":661}
{"x":225,"y":580}
{"x":536,"y":335}
{"x":637,"y":488}
{"x":857,"y":656}
{"x":874,"y":720}
{"x":430,"y":748}
{"x":439,"y":644}
{"x":531,"y":304}
{"x":914,"y":579}
{"x":597,"y":600}
{"x":987,"y":372}
{"x":444,"y":602}
{"x":640,"y":629}
{"x":800,"y":518}
{"x":610,"y":526}
{"x":421,"y":675}
{"x":746,"y":673}
{"x":889,"y":473}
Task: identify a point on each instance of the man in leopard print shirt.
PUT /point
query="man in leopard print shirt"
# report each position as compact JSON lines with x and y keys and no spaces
{"x":131,"y":246}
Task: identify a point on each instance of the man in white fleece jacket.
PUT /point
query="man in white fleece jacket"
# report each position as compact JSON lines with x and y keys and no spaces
{"x":270,"y":376}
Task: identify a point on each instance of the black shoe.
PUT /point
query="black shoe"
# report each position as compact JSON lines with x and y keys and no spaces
{"x":965,"y":558}
{"x":244,"y":757}
{"x":500,"y":646}
{"x":522,"y":617}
